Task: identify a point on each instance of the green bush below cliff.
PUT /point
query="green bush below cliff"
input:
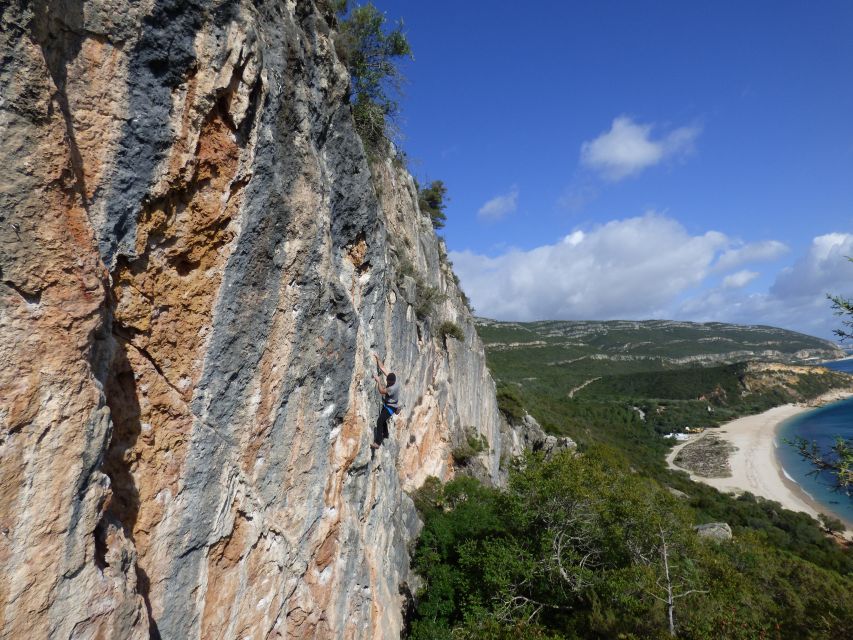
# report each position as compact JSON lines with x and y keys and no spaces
{"x":581,"y":547}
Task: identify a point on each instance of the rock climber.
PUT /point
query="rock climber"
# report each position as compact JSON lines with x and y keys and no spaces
{"x":390,"y":402}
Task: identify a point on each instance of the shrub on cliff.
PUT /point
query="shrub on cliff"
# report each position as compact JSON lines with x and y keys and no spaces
{"x":510,"y":403}
{"x":452,"y":330}
{"x":405,"y":268}
{"x":426,"y":298}
{"x":371,"y":51}
{"x":473,"y":445}
{"x":431,"y":201}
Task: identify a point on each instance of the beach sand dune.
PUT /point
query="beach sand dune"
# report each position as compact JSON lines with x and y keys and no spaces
{"x":754,"y":464}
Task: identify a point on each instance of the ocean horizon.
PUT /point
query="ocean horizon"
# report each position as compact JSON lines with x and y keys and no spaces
{"x":821,"y":425}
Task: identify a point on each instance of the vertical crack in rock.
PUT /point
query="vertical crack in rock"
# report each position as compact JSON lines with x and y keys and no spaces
{"x":122,"y":397}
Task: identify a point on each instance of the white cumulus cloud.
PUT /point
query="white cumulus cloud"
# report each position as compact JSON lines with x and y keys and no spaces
{"x":824,"y":269}
{"x":628,"y":148}
{"x":623,"y":269}
{"x":500,"y":206}
{"x":651,"y":267}
{"x":797,"y":297}
{"x":764,"y":251}
{"x":739,"y":279}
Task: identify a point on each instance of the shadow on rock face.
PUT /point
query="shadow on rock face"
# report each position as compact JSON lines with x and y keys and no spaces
{"x":123,"y":506}
{"x":408,"y":608}
{"x":123,"y":401}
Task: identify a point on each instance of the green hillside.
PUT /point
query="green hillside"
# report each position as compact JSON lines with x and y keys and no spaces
{"x":627,"y":383}
{"x":586,"y":546}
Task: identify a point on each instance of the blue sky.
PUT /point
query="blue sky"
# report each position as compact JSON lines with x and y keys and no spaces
{"x":639,"y":159}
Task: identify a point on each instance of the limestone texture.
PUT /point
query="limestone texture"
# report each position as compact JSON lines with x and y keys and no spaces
{"x":198,"y":262}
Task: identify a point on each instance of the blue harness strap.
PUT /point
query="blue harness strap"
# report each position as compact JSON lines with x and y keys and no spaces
{"x":391,"y":410}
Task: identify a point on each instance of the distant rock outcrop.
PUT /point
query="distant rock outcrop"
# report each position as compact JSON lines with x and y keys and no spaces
{"x":528,"y":435}
{"x":678,"y":493}
{"x":716,"y":531}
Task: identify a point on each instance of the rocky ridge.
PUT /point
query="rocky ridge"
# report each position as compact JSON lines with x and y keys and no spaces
{"x":197,"y":263}
{"x":668,"y":342}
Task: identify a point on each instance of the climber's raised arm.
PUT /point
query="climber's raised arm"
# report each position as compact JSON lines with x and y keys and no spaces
{"x":379,"y":386}
{"x":380,"y":365}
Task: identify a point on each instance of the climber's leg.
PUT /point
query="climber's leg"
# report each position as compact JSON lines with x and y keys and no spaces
{"x":380,"y":432}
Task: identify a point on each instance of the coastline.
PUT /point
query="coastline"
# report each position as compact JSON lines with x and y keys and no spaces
{"x":755,"y":467}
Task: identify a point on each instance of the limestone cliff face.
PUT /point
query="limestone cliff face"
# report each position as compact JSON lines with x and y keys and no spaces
{"x":197,"y":263}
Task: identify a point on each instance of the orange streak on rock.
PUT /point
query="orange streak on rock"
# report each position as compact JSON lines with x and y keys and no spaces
{"x":164,"y":302}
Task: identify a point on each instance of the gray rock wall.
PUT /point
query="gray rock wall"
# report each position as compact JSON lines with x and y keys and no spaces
{"x":197,"y":264}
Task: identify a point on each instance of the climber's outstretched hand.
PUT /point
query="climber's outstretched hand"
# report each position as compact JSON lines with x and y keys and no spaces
{"x":380,"y":364}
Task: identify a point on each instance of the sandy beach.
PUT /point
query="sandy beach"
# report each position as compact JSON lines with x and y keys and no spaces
{"x":754,"y":465}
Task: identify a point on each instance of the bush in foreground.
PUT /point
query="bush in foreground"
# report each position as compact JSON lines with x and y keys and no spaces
{"x":582,"y":547}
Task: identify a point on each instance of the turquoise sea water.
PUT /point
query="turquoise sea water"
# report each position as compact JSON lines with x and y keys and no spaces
{"x":821,"y":425}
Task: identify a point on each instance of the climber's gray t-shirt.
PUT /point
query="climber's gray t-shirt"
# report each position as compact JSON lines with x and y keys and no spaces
{"x":392,"y":395}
